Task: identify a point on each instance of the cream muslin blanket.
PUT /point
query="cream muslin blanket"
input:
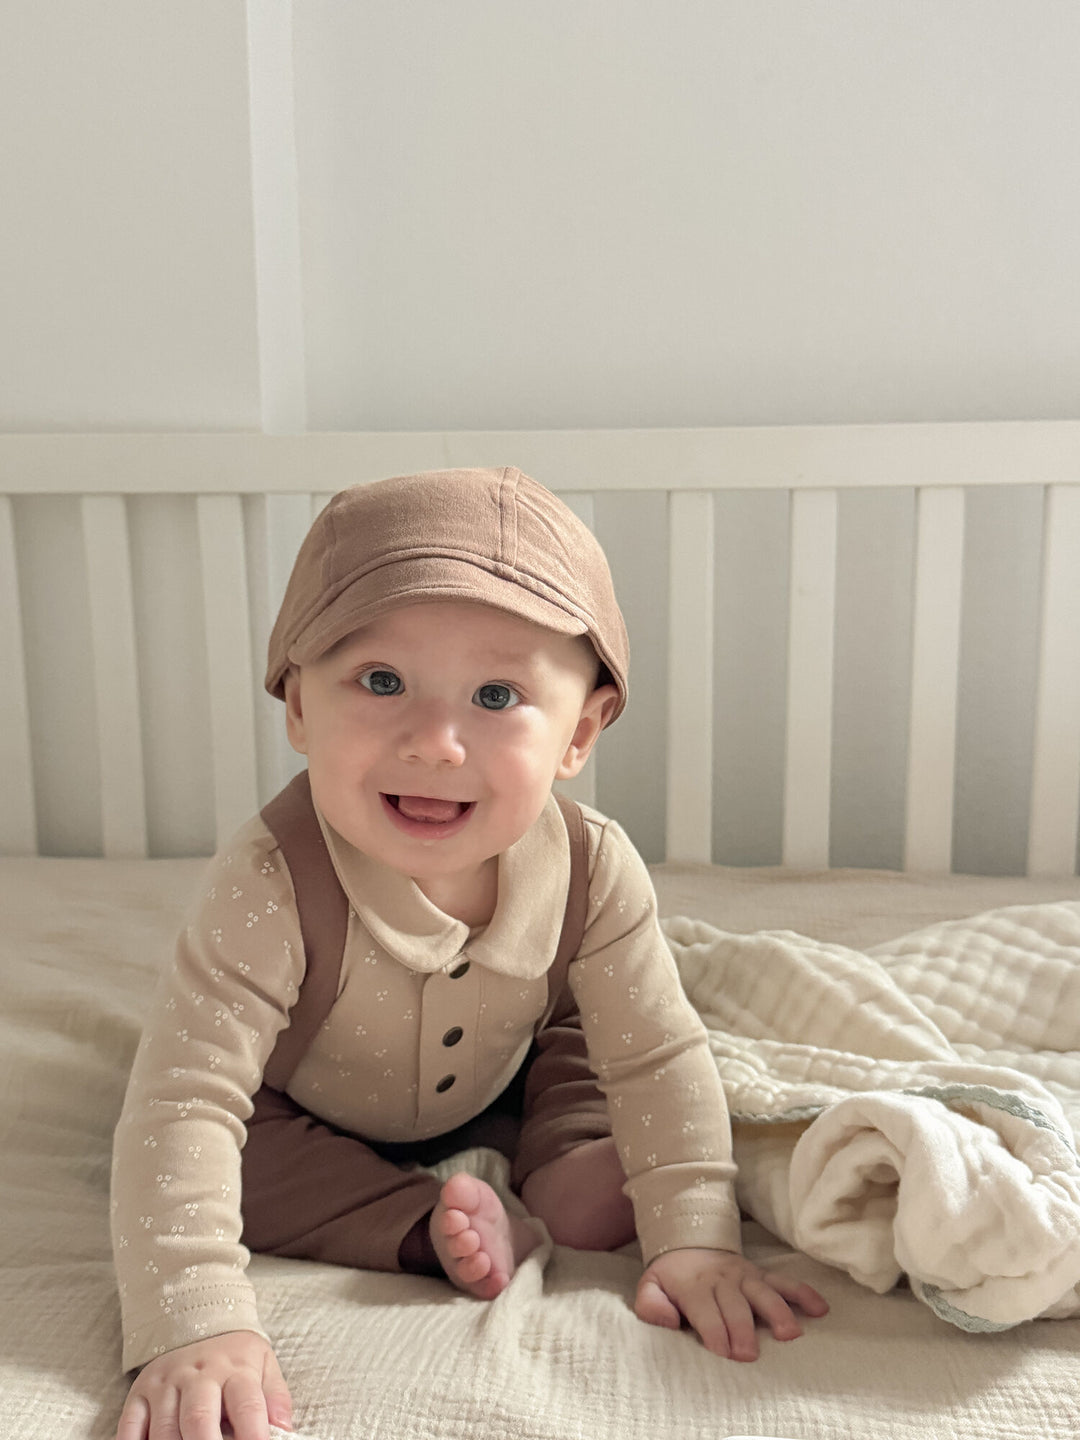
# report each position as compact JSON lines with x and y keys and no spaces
{"x":913,"y":1110}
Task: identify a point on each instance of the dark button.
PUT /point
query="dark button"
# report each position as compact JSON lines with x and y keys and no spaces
{"x":453,"y":1036}
{"x":445,"y":1083}
{"x":459,"y":970}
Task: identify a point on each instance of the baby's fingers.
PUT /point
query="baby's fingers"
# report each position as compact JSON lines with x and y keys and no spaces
{"x":773,"y":1308}
{"x":278,"y":1399}
{"x":731,"y":1333}
{"x":653,"y":1306}
{"x":200,"y":1413}
{"x":135,"y":1419}
{"x":798,"y":1292}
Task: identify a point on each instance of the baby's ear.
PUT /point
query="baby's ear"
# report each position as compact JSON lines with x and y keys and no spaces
{"x":595,"y":714}
{"x":294,"y":711}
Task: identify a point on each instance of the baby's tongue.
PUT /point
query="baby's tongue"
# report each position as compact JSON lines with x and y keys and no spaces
{"x":420,"y":807}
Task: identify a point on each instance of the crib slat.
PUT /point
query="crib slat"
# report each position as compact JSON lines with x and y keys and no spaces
{"x":18,"y":814}
{"x":229,"y":666}
{"x":931,"y":766}
{"x":116,"y":681}
{"x":690,"y":677}
{"x":276,"y":526}
{"x":1055,"y":790}
{"x":808,"y":761}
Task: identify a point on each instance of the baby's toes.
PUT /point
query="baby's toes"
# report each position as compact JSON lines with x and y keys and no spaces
{"x":451,"y":1222}
{"x":472,"y":1268}
{"x":462,"y":1245}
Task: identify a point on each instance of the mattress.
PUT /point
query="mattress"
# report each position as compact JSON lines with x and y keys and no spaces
{"x":560,"y":1354}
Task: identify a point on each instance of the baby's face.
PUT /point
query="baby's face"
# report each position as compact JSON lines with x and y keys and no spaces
{"x":434,"y":733}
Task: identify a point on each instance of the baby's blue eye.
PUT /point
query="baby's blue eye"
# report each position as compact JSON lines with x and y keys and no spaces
{"x":381,"y":682}
{"x":496,"y":697}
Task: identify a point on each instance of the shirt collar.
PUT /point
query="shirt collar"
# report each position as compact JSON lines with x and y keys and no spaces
{"x":523,"y":934}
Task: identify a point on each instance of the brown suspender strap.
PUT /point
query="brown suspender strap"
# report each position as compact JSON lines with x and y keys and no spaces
{"x":323,"y":911}
{"x":577,"y":901}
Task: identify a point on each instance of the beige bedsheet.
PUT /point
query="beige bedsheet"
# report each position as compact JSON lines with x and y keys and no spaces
{"x":560,"y":1354}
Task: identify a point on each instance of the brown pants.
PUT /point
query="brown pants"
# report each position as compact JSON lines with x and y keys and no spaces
{"x":314,"y":1192}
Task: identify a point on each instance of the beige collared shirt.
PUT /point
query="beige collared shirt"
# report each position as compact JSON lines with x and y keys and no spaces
{"x":389,"y":1063}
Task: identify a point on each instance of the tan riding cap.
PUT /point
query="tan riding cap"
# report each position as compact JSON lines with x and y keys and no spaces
{"x":491,"y":536}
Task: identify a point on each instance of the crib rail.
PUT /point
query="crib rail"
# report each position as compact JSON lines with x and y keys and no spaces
{"x":254,"y":496}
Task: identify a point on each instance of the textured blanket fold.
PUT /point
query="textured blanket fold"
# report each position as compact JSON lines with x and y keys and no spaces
{"x":912,"y":1111}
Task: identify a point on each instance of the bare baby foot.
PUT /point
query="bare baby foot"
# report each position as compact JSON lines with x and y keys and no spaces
{"x":478,"y":1244}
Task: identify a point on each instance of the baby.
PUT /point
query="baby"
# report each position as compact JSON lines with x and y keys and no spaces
{"x":449,"y":645}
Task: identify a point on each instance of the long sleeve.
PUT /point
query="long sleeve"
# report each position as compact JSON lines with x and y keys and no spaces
{"x":176,"y":1161}
{"x":650,"y":1052}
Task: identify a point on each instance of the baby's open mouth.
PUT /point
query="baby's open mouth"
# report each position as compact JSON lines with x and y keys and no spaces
{"x":426,"y":808}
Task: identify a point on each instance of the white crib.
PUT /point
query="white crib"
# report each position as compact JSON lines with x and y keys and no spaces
{"x":840,"y":634}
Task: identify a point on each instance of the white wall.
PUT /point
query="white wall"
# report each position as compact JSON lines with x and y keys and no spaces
{"x":581,"y":212}
{"x":126,"y":284}
{"x":618,"y":212}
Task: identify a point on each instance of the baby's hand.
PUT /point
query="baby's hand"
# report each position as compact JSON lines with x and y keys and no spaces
{"x":720,"y":1293}
{"x":186,"y":1393}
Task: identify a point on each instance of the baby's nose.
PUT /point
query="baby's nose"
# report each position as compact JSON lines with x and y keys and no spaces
{"x":431,"y":734}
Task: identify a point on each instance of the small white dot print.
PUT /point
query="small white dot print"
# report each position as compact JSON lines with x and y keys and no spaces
{"x":237,"y":893}
{"x":252,"y":919}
